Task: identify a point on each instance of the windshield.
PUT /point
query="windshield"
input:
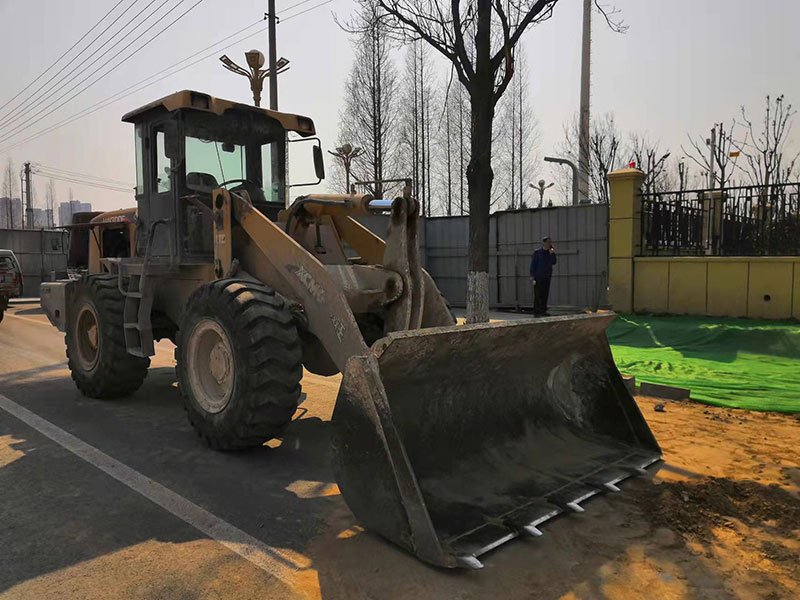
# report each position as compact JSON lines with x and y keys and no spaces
{"x":6,"y":263}
{"x":209,"y":163}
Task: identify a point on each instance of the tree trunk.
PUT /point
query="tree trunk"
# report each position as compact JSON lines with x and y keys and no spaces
{"x":479,"y":170}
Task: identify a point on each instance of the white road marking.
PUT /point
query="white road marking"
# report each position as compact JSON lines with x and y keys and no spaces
{"x":274,"y":561}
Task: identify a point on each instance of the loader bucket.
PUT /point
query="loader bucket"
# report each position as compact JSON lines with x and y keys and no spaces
{"x":450,"y":441}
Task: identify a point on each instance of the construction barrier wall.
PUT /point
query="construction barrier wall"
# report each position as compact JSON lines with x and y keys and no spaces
{"x":762,"y":287}
{"x":580,"y":234}
{"x":40,"y":252}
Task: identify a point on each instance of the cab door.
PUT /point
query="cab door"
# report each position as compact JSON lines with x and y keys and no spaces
{"x":162,"y":193}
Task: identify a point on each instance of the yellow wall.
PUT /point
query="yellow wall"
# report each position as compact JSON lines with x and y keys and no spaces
{"x":755,"y":287}
{"x":719,"y":286}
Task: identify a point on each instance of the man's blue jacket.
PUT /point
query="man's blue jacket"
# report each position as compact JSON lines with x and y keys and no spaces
{"x":542,"y":264}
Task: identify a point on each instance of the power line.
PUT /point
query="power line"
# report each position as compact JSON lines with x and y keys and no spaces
{"x":88,"y":183}
{"x":112,"y":99}
{"x":18,"y":130}
{"x":72,"y":60}
{"x":302,"y":12}
{"x":59,"y":171}
{"x":79,"y":40}
{"x":84,"y":67}
{"x":81,"y":68}
{"x":288,"y":8}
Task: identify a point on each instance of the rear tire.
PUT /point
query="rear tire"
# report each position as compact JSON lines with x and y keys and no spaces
{"x":96,"y":353}
{"x":239,"y":363}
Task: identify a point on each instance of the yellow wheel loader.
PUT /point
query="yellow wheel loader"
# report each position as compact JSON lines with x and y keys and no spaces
{"x":447,"y":440}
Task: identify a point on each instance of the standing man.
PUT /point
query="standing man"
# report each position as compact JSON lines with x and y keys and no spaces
{"x":541,"y":271}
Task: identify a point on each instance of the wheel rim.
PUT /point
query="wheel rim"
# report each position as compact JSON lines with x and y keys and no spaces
{"x":88,"y":335}
{"x":211,"y":370}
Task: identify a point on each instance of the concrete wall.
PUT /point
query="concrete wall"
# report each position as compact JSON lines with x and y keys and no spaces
{"x":39,"y":252}
{"x":764,"y":287}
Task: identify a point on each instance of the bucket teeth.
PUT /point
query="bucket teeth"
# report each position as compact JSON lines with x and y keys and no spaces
{"x":532,"y":531}
{"x":611,"y":487}
{"x":574,"y":506}
{"x":468,"y":562}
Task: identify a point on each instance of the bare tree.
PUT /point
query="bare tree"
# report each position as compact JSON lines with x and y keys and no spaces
{"x":50,"y":202}
{"x":764,"y":145}
{"x":605,"y":155}
{"x":420,"y":118}
{"x":484,"y":65}
{"x":723,"y":162}
{"x":370,"y":117}
{"x":10,"y":190}
{"x":450,"y":159}
{"x":520,"y":139}
{"x":649,"y":158}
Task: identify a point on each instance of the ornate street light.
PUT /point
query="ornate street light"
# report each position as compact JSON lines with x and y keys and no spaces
{"x":541,"y":187}
{"x":346,"y":153}
{"x":255,"y":60}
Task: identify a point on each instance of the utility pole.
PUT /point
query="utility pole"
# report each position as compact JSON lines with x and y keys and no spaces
{"x":28,"y":196}
{"x":278,"y":151}
{"x":583,"y":142}
{"x":712,"y":144}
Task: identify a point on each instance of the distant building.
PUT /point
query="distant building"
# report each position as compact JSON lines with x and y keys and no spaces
{"x":67,"y":209}
{"x":42,"y":218}
{"x":11,"y":213}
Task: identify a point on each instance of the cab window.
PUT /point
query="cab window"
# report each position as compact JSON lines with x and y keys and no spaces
{"x":161,"y":175}
{"x":139,"y":145}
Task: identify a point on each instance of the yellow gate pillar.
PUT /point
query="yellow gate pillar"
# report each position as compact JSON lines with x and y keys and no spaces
{"x":624,"y":235}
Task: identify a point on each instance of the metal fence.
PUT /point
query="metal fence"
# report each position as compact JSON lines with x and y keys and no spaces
{"x":737,"y":221}
{"x":40,"y":252}
{"x":580,"y":234}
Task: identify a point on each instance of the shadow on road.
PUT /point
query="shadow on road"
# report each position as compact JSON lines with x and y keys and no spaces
{"x":59,"y":511}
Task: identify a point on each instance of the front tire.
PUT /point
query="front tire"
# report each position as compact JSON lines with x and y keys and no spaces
{"x":239,"y":363}
{"x":98,"y":360}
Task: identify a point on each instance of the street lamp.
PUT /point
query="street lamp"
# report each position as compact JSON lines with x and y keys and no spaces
{"x":255,"y":60}
{"x":346,"y":153}
{"x":542,"y":186}
{"x":575,"y":184}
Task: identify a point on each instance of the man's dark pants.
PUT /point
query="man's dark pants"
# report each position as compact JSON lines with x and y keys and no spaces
{"x":541,"y":290}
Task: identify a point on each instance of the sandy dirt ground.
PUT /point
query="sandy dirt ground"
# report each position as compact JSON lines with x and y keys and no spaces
{"x":721,"y":519}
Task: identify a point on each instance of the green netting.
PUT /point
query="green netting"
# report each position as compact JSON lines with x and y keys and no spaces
{"x":728,"y":362}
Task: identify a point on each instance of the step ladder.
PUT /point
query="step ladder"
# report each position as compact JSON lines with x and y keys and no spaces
{"x":139,"y":293}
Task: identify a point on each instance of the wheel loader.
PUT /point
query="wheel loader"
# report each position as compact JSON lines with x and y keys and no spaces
{"x":447,"y":440}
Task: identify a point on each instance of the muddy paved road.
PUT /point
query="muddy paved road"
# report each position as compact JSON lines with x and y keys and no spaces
{"x":187,"y":522}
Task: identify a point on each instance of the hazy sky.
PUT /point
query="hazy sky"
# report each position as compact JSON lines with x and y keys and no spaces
{"x":681,"y":66}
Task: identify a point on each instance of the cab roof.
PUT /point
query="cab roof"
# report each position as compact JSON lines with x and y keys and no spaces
{"x":192,"y":100}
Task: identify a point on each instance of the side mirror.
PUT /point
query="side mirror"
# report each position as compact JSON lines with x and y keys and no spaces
{"x":319,"y":164}
{"x":172,"y":140}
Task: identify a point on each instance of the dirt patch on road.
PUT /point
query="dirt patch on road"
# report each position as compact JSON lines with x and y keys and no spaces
{"x":694,"y":508}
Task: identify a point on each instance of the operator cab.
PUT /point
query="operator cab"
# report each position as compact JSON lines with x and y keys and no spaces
{"x":187,"y":145}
